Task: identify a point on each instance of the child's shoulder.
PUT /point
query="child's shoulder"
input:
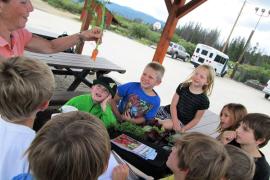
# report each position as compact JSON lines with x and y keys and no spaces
{"x":128,"y":85}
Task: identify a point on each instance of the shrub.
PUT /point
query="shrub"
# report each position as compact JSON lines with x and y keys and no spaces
{"x":139,"y":31}
{"x":246,"y":72}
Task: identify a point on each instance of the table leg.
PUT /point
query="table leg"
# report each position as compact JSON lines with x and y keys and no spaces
{"x":78,"y":79}
{"x":101,"y":73}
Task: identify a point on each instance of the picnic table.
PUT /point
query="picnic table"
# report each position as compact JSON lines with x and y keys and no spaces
{"x":76,"y":65}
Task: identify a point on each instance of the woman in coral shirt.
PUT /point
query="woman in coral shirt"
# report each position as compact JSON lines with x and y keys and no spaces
{"x":14,"y":38}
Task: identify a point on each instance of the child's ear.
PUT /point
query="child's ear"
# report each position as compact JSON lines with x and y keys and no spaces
{"x":43,"y":106}
{"x":260,"y":141}
{"x":158,"y":82}
{"x":184,"y":171}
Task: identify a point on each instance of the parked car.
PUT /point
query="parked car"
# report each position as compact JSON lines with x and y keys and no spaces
{"x":177,"y":51}
{"x":266,"y":90}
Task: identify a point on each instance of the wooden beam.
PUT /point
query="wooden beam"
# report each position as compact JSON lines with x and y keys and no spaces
{"x":182,"y":11}
{"x":167,"y":32}
{"x":165,"y":38}
{"x":168,"y":5}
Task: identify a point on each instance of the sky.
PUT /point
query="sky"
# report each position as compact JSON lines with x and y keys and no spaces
{"x":220,"y":14}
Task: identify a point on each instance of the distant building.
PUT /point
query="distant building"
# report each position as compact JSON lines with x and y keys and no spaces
{"x":156,"y":26}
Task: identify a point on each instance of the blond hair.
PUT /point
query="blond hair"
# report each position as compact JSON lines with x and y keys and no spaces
{"x":242,"y":165}
{"x":25,"y":85}
{"x":202,"y":156}
{"x":207,"y":89}
{"x":159,"y":68}
{"x":71,"y":146}
{"x":237,"y":112}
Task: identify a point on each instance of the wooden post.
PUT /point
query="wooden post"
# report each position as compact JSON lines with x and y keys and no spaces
{"x":86,"y":19}
{"x":176,"y":10}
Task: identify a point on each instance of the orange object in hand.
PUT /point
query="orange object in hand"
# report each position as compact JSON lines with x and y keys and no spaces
{"x":94,"y":54}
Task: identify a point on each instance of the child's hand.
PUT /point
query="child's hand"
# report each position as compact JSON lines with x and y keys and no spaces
{"x":126,"y":116}
{"x":177,"y":127}
{"x":103,"y":104}
{"x":227,"y":136}
{"x":120,"y":172}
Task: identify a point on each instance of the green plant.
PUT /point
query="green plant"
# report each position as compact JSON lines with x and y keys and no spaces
{"x":139,"y":31}
{"x":246,"y":72}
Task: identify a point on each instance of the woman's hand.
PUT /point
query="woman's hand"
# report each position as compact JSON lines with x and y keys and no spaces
{"x":94,"y":34}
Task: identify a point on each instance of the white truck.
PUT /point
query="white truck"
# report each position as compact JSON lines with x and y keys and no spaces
{"x":266,"y":90}
{"x":204,"y":54}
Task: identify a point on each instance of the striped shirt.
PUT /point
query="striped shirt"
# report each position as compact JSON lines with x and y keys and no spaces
{"x":189,"y":104}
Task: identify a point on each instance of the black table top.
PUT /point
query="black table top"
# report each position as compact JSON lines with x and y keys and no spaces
{"x":156,"y":168}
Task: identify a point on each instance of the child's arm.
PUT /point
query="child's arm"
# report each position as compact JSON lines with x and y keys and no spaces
{"x":115,"y":110}
{"x":194,"y":121}
{"x":126,"y":117}
{"x":173,"y":109}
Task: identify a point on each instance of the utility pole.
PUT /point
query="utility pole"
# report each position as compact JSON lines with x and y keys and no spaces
{"x":228,"y":39}
{"x":240,"y":59}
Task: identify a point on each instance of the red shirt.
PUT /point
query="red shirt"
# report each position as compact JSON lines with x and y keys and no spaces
{"x":19,"y":40}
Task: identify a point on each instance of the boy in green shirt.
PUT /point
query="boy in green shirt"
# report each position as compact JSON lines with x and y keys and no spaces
{"x":96,"y":102}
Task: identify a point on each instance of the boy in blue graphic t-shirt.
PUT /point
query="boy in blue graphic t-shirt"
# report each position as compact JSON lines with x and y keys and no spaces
{"x":138,"y":102}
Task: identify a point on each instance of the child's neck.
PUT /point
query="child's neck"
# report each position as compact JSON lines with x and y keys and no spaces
{"x":251,"y":150}
{"x":195,"y":89}
{"x":29,"y":121}
{"x":179,"y":176}
{"x":149,"y":92}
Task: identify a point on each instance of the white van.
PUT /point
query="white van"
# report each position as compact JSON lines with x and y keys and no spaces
{"x":204,"y":54}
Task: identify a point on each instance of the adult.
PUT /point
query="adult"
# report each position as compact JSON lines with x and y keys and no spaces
{"x":14,"y":38}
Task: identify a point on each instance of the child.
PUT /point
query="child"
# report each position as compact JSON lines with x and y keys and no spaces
{"x":71,"y":146}
{"x":189,"y":102}
{"x":96,"y":103}
{"x":139,"y":101}
{"x":26,"y":88}
{"x":242,"y":165}
{"x":230,"y":116}
{"x":252,"y":134}
{"x":197,"y":156}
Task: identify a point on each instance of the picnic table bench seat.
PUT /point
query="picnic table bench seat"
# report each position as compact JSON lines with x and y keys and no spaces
{"x":61,"y":97}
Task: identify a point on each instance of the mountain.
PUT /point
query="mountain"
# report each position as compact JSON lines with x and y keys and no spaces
{"x":132,"y":14}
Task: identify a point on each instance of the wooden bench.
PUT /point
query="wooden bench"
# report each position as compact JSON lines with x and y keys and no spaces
{"x":61,"y":97}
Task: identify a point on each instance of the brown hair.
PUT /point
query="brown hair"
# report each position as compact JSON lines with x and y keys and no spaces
{"x":242,"y":165}
{"x":260,"y":124}
{"x":71,"y":146}
{"x":25,"y":85}
{"x":159,"y":68}
{"x":207,"y":89}
{"x":237,"y":111}
{"x":203,"y":156}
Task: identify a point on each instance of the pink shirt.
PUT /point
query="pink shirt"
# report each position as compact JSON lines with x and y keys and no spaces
{"x":19,"y":40}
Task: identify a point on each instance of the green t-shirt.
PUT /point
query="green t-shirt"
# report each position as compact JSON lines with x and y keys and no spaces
{"x":85,"y":103}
